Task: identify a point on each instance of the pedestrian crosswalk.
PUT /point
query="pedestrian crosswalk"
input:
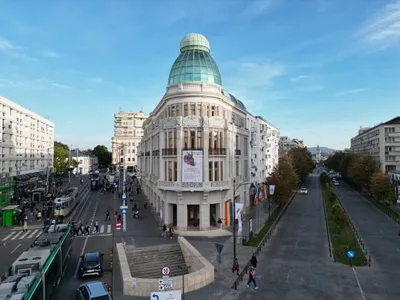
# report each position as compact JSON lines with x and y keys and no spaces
{"x":22,"y":235}
{"x":102,"y":229}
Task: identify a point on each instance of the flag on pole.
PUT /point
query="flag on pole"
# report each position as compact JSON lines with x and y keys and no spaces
{"x":265,"y":194}
{"x":260,"y":196}
{"x":256,"y":197}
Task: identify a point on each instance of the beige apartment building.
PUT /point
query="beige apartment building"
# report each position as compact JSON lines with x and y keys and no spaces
{"x":382,"y":142}
{"x":128,"y":131}
{"x":286,"y":144}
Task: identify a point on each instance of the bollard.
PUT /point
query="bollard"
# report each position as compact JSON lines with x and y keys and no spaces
{"x":369,"y":261}
{"x":235,"y":285}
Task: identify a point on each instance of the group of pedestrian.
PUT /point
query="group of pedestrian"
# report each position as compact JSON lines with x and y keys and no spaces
{"x":167,"y":232}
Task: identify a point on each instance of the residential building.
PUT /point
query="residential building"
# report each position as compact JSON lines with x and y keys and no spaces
{"x":27,"y":141}
{"x":287,"y":143}
{"x":395,"y":179}
{"x":200,"y":145}
{"x":382,"y":142}
{"x":86,"y":162}
{"x":128,"y":131}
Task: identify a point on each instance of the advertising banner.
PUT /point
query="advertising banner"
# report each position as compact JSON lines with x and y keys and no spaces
{"x":192,"y":166}
{"x":238,"y":216}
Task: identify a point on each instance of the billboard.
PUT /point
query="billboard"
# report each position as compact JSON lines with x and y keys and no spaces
{"x":192,"y":166}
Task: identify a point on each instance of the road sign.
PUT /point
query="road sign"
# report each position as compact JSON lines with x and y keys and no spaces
{"x":118,"y":225}
{"x":170,"y":295}
{"x":123,"y":197}
{"x":219,"y":247}
{"x":350,"y":254}
{"x":123,"y":211}
{"x":165,"y":271}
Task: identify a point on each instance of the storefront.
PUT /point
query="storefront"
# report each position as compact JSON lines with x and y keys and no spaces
{"x":6,"y":192}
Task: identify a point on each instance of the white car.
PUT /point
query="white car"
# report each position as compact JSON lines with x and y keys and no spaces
{"x":303,"y":191}
{"x":336,"y":183}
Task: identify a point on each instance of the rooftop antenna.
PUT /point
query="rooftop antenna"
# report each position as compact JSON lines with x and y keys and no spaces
{"x":120,"y":109}
{"x":141,"y":109}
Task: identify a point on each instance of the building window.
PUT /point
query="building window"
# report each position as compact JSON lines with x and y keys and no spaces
{"x":170,"y":171}
{"x":199,"y":110}
{"x":186,"y":139}
{"x":185,"y":110}
{"x":246,"y":149}
{"x":192,"y":109}
{"x":199,"y":139}
{"x":216,"y":171}
{"x":178,"y":110}
{"x":210,"y":171}
{"x":222,"y":170}
{"x":193,"y":139}
{"x":175,"y":171}
{"x":237,"y":168}
{"x":237,"y":142}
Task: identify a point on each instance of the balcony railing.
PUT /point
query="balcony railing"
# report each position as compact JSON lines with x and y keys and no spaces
{"x":156,"y":153}
{"x":169,"y":151}
{"x":192,"y":148}
{"x":147,"y":153}
{"x":217,"y":151}
{"x":238,"y":152}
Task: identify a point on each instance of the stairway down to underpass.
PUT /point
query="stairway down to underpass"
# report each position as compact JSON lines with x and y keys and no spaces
{"x":147,"y":262}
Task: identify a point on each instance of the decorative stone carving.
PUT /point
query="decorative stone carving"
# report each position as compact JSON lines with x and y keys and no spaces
{"x":217,"y":122}
{"x":205,"y":198}
{"x":172,"y":122}
{"x":206,"y":122}
{"x":192,"y":121}
{"x":192,"y":184}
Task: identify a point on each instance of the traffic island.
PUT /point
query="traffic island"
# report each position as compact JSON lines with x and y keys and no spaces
{"x":168,"y":267}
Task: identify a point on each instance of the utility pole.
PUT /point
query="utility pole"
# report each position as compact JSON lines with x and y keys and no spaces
{"x":69,"y":164}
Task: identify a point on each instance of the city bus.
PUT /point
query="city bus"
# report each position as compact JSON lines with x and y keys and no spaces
{"x":37,"y":272}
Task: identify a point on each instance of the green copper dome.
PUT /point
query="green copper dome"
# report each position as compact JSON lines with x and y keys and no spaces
{"x":195,"y":63}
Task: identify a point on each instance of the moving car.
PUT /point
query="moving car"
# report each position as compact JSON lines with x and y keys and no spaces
{"x":91,"y":264}
{"x":335,"y":183}
{"x":93,"y":290}
{"x":303,"y":191}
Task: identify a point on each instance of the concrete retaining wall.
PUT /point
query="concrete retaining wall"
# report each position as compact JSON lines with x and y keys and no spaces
{"x":202,"y":273}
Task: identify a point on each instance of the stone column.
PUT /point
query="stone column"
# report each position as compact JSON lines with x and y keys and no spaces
{"x":204,"y":213}
{"x":206,"y":146}
{"x":162,"y":162}
{"x":179,"y":141}
{"x":182,"y":216}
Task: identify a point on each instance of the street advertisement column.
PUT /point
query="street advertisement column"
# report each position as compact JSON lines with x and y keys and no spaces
{"x":192,"y":166}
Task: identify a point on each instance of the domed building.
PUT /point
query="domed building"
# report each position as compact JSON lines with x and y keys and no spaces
{"x":198,"y":142}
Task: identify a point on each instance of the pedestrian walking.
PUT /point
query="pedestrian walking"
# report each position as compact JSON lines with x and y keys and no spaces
{"x":96,"y":227}
{"x":236,"y":267}
{"x":164,"y":229}
{"x":254,"y":261}
{"x":108,"y":215}
{"x":25,"y":228}
{"x":171,"y":232}
{"x":252,"y":278}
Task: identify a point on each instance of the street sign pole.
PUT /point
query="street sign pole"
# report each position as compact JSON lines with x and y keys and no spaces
{"x":124,"y":214}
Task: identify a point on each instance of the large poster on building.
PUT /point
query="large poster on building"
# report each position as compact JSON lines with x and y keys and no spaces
{"x":192,"y":166}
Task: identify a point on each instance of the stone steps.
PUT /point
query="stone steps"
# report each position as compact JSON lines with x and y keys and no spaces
{"x":147,"y":262}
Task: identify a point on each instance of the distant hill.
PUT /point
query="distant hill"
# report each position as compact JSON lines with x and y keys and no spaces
{"x":324,"y":150}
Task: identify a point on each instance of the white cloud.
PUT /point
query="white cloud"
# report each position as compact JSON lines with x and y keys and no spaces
{"x":300,"y":78}
{"x":8,"y":45}
{"x":34,"y":84}
{"x":49,"y":53}
{"x":383,"y":30}
{"x":256,"y":8}
{"x":350,"y":92}
{"x":97,"y":80}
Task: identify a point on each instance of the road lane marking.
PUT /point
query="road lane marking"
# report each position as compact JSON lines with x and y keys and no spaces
{"x":288,"y":276}
{"x":9,"y":236}
{"x":38,"y":234}
{"x":93,"y":236}
{"x":398,"y":250}
{"x":33,"y":233}
{"x":359,"y":285}
{"x":102,"y":229}
{"x":80,"y":259}
{"x":24,"y":235}
{"x":297,"y":244}
{"x":108,"y":228}
{"x":15,"y":249}
{"x":17,"y":235}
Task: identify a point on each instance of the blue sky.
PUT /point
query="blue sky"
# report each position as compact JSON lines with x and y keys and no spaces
{"x":317,"y":69}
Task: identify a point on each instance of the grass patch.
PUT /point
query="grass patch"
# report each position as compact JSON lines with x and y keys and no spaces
{"x":342,"y":236}
{"x":257,"y":238}
{"x":383,"y":206}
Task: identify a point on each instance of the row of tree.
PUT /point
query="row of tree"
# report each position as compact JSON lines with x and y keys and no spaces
{"x":290,"y":171}
{"x":62,"y":157}
{"x":363,"y":172}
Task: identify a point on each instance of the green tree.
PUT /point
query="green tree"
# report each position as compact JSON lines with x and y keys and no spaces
{"x":381,"y":187}
{"x":285,"y":180}
{"x":361,"y":169}
{"x":333,"y":162}
{"x":344,"y":165}
{"x":338,"y":214}
{"x":104,"y":156}
{"x":61,"y":156}
{"x":301,"y":160}
{"x":331,"y":196}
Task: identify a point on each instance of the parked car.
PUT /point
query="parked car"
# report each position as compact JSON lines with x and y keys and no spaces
{"x":303,"y":191}
{"x":93,"y":290}
{"x":91,"y":264}
{"x":335,"y":183}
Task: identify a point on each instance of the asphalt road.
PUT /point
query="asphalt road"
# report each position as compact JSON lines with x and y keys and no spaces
{"x":380,"y":235}
{"x":296,"y":262}
{"x":142,"y":232}
{"x":14,"y":242}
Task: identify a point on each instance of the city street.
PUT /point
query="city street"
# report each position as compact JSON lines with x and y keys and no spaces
{"x":296,"y":262}
{"x":380,"y":235}
{"x":15,"y":241}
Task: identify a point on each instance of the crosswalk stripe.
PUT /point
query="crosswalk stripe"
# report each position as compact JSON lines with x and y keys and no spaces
{"x":108,"y":228}
{"x":17,"y":235}
{"x":9,"y":236}
{"x":24,"y":235}
{"x":102,"y":229}
{"x":33,"y":233}
{"x":37,"y":235}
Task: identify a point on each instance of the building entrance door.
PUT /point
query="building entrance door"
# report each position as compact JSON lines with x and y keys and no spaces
{"x":193,"y":215}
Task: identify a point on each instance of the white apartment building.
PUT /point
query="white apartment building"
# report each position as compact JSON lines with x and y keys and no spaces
{"x":86,"y":162}
{"x":382,"y":142}
{"x":287,"y":143}
{"x":128,"y":131}
{"x":270,"y":148}
{"x":198,"y":145}
{"x":27,"y":140}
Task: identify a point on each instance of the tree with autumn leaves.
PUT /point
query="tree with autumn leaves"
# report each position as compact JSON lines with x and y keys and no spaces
{"x":290,"y":170}
{"x":363,"y":172}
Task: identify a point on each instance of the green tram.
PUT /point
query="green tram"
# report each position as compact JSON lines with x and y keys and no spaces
{"x":37,"y":273}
